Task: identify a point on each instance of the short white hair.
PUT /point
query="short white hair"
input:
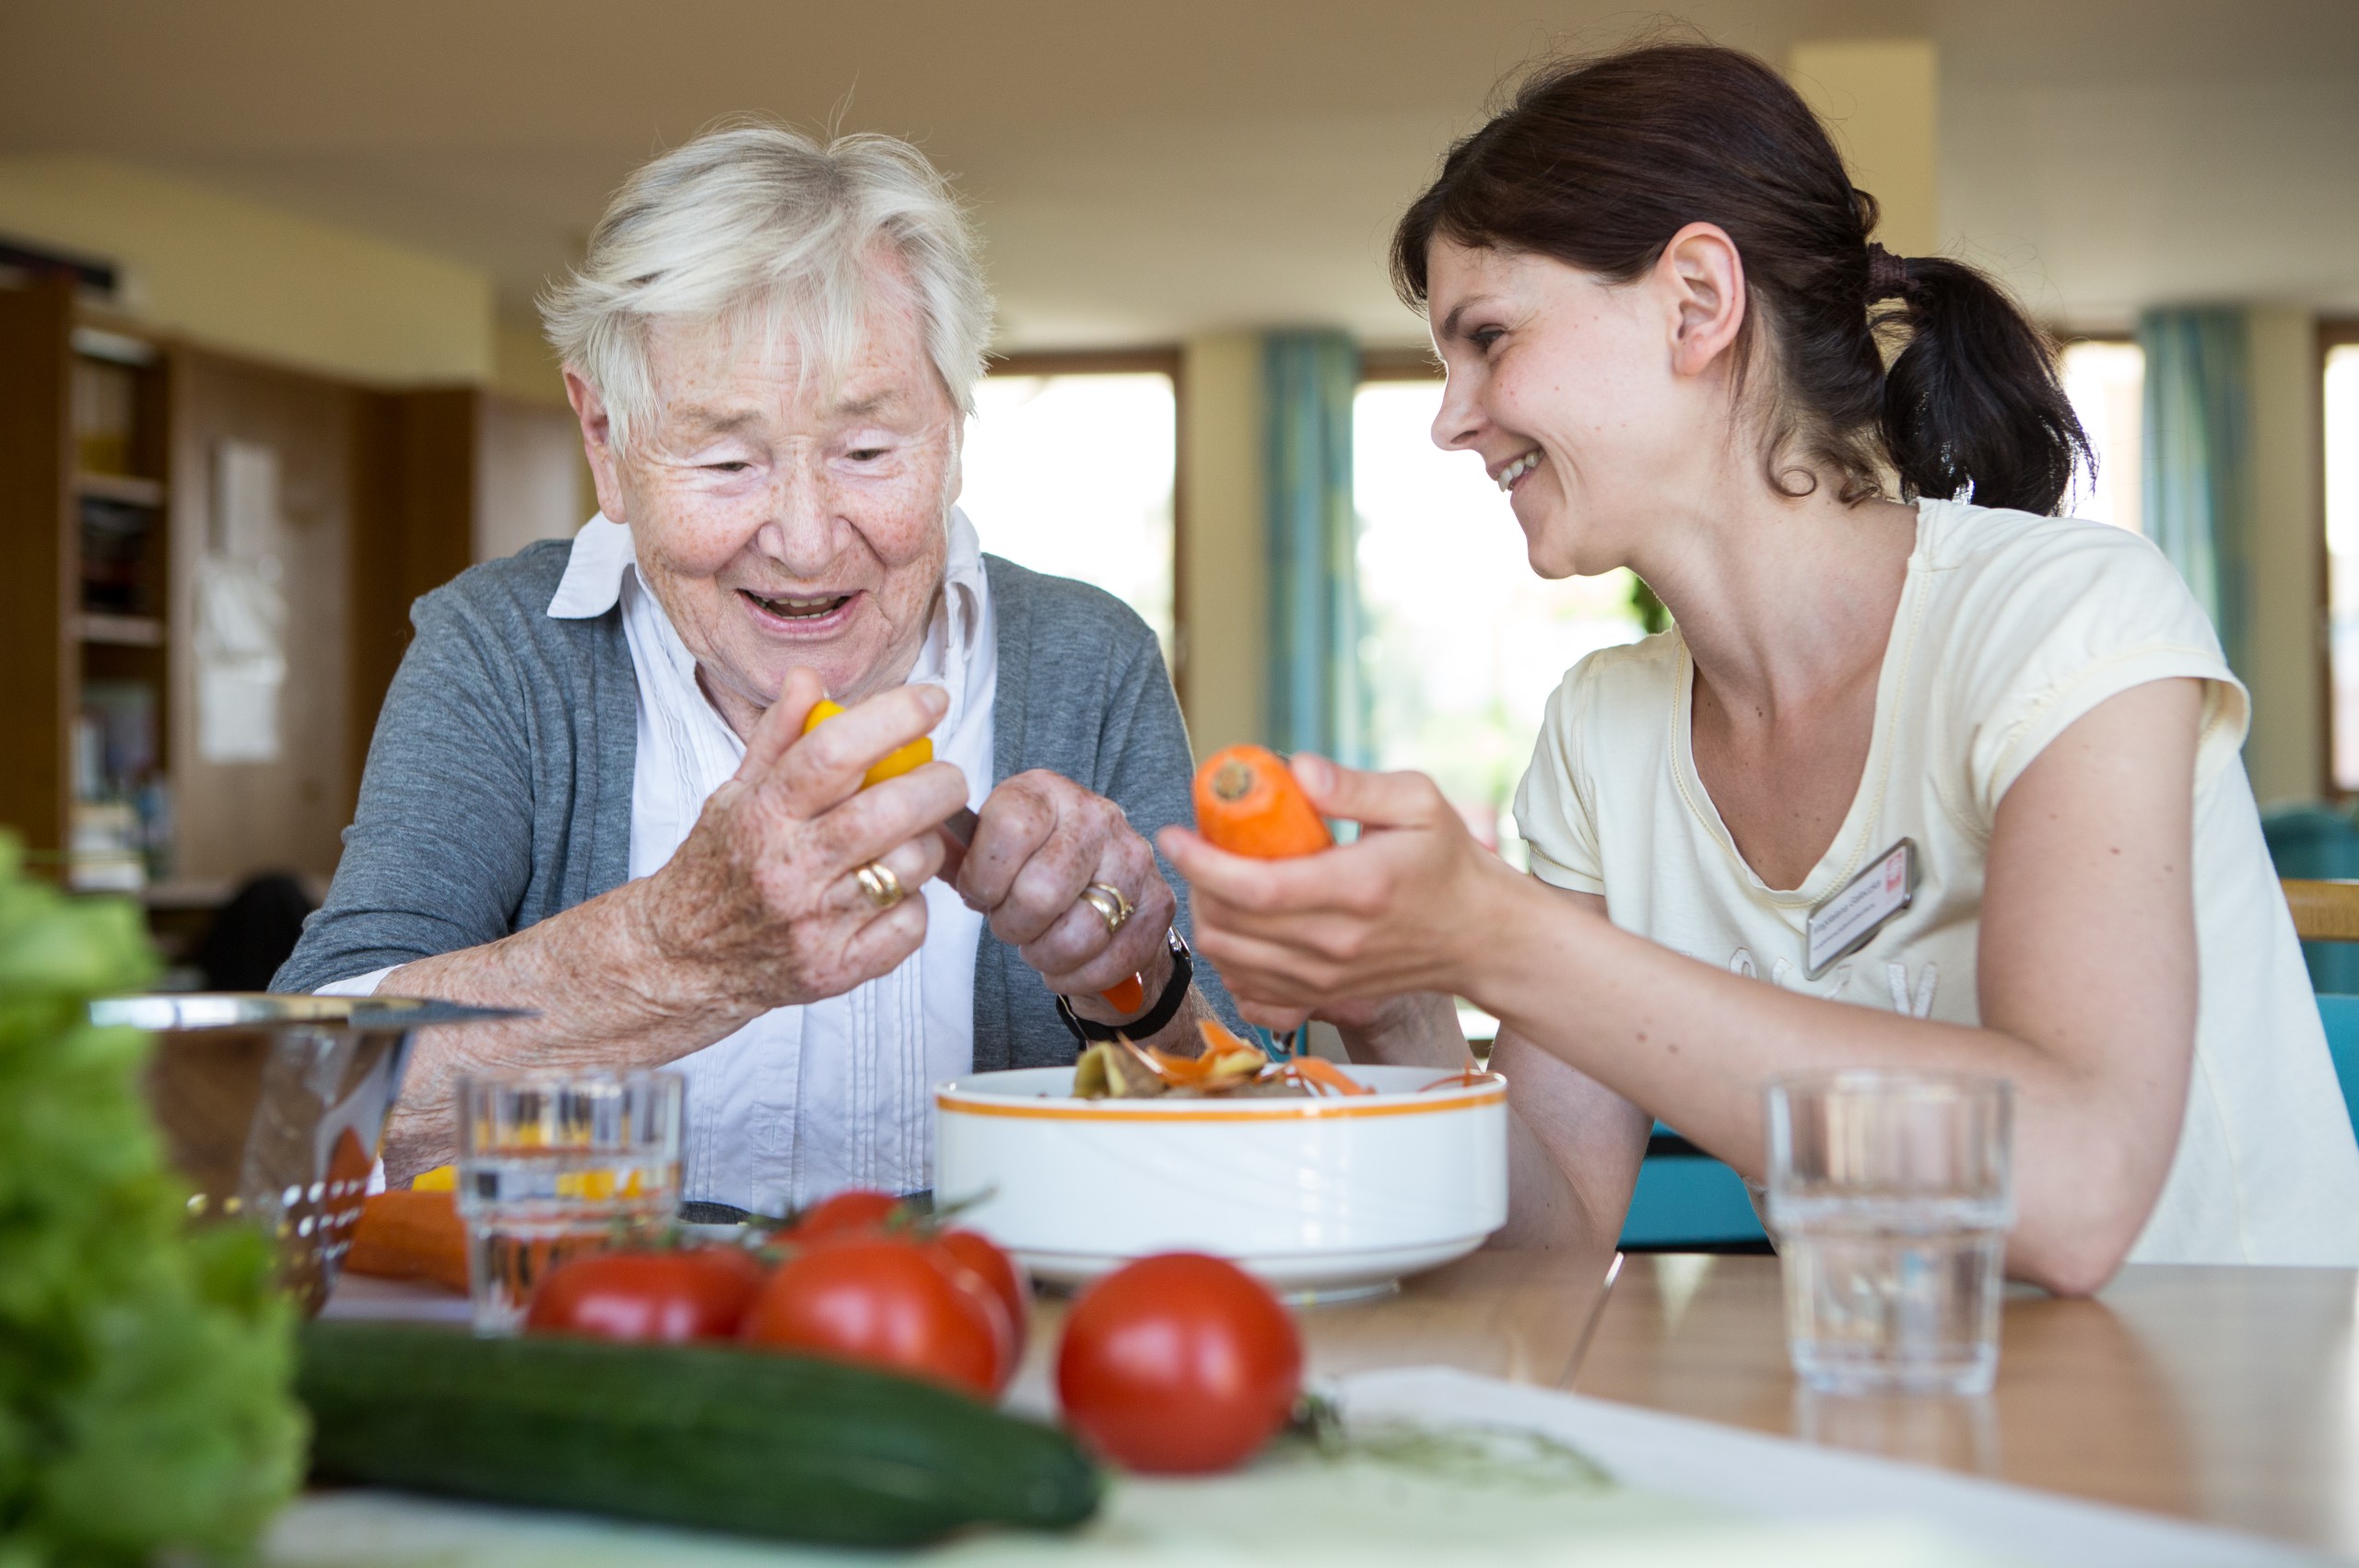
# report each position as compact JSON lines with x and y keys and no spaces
{"x":755,"y":224}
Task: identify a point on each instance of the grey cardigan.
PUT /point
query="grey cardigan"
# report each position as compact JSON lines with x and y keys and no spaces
{"x":499,"y":784}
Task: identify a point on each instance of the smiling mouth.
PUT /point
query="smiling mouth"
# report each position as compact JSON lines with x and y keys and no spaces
{"x":817,"y":608}
{"x":1518,"y":468}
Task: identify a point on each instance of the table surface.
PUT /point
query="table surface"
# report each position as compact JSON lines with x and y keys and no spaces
{"x":2225,"y":1395}
{"x":2229,"y":1395}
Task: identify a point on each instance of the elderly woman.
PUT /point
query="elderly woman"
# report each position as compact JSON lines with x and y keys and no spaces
{"x":591,"y":794}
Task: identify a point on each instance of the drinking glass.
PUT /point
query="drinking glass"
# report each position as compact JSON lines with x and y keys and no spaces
{"x":1891,"y":1196}
{"x":552,"y":1165}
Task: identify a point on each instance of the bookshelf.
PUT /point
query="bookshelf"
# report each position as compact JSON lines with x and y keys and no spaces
{"x":85,"y":610}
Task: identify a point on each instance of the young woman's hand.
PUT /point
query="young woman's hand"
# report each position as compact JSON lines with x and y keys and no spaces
{"x":1336,"y":931}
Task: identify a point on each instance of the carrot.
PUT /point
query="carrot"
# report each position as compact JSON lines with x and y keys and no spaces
{"x":1248,"y":803}
{"x":411,"y":1235}
{"x":916,"y":755}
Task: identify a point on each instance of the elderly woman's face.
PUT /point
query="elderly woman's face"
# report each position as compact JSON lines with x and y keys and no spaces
{"x":781,"y":521}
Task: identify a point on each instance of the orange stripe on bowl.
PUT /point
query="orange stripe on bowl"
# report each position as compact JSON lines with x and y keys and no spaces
{"x":1294,"y":1110}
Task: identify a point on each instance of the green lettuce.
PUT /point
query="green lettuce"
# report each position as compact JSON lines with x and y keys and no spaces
{"x":146,"y":1370}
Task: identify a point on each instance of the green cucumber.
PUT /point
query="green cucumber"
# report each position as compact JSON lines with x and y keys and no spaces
{"x":715,"y":1437}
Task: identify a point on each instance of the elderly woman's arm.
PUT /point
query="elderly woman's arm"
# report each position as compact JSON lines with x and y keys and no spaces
{"x":759,"y":909}
{"x":1123,"y":773}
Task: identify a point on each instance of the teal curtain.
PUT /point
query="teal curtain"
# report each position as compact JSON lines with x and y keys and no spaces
{"x":2195,"y":458}
{"x":1317,"y":700}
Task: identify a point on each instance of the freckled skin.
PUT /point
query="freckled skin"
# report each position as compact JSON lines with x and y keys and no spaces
{"x":754,"y":475}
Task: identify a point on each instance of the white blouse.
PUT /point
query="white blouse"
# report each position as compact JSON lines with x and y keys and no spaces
{"x":802,"y":1101}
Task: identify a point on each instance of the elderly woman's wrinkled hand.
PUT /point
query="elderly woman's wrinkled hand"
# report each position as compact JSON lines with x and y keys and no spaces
{"x":763,"y":905}
{"x":1042,"y":842}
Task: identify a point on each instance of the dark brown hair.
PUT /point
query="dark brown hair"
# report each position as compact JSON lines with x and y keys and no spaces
{"x":1598,"y":163}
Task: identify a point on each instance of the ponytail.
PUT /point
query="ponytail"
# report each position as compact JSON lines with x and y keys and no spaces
{"x":1597,"y":164}
{"x":1973,"y":402}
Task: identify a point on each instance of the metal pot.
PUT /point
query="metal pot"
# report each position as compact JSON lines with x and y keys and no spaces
{"x":273,"y":1107}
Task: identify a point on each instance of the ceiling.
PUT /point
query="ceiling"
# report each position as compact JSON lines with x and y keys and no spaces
{"x":1145,"y":171}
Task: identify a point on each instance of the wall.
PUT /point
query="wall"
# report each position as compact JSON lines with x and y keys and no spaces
{"x":1882,"y":99}
{"x":2286,"y":552}
{"x":239,"y":818}
{"x":1224,"y":564}
{"x":242,"y":276}
{"x":524,"y":371}
{"x":529,"y":475}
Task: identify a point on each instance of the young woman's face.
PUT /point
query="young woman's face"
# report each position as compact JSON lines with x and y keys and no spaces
{"x":1567,"y":387}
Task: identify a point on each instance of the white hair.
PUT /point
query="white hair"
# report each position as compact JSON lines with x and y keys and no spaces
{"x":759,"y":225}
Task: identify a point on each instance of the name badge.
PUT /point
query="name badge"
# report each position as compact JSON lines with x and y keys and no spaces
{"x":1846,"y":919}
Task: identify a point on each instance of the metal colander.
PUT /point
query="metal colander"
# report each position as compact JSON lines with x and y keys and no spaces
{"x":272,"y":1107}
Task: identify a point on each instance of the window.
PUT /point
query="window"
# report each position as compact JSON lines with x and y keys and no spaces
{"x":2342,"y":410}
{"x":1465,"y":644}
{"x":2106,"y":378}
{"x":1070,"y":464}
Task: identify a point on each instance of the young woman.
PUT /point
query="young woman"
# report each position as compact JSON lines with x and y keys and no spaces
{"x":1665,"y":327}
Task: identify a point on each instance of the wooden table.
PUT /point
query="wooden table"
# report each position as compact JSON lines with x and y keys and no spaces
{"x":2223,"y":1395}
{"x":1518,"y":1316}
{"x":2229,"y":1395}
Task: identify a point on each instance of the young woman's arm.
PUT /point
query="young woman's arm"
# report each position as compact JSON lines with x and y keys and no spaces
{"x":2087,"y":968}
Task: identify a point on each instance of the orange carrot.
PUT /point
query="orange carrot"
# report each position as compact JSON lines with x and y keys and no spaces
{"x":1316,"y":1073}
{"x":411,"y":1235}
{"x":916,"y":755}
{"x":1248,"y":803}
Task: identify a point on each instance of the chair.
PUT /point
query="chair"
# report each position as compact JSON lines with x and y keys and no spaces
{"x":2311,"y":840}
{"x":2327,"y":910}
{"x":1688,"y":1202}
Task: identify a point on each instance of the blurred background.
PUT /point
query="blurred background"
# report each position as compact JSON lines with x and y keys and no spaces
{"x":269,"y":366}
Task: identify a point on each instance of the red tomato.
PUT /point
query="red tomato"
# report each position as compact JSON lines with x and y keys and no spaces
{"x":977,"y":1251}
{"x":854,"y":1209}
{"x":1179,"y":1364}
{"x":669,"y":1296}
{"x":883,"y":1301}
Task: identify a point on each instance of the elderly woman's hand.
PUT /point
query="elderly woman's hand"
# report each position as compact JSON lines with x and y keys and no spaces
{"x":763,"y":905}
{"x":1042,"y":841}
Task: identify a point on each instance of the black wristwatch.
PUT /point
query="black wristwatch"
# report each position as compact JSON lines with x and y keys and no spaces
{"x":1151,"y":1021}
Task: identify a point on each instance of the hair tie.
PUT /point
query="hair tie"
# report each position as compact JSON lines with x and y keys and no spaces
{"x":1887,"y":274}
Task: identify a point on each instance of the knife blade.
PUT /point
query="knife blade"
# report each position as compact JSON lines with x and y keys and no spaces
{"x":958,"y":836}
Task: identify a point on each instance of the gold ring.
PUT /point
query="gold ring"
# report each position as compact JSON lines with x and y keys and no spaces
{"x":877,"y":880}
{"x":1107,"y":901}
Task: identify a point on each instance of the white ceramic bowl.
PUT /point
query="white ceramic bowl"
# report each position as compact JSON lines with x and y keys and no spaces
{"x":1330,"y":1195}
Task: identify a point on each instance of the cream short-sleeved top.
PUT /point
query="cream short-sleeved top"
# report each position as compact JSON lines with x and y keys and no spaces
{"x":2010,"y":627}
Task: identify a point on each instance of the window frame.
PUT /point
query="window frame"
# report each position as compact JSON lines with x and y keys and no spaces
{"x":1168,"y":360}
{"x":2333,"y":332}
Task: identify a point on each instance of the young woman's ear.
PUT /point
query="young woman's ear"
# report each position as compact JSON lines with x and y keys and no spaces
{"x":1700,"y":279}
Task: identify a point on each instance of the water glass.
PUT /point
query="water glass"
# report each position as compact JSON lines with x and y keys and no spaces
{"x":1890,"y":1197}
{"x":552,"y":1165}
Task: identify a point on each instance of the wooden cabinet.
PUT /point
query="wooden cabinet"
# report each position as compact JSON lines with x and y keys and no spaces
{"x":132,"y":529}
{"x":86,"y":605}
